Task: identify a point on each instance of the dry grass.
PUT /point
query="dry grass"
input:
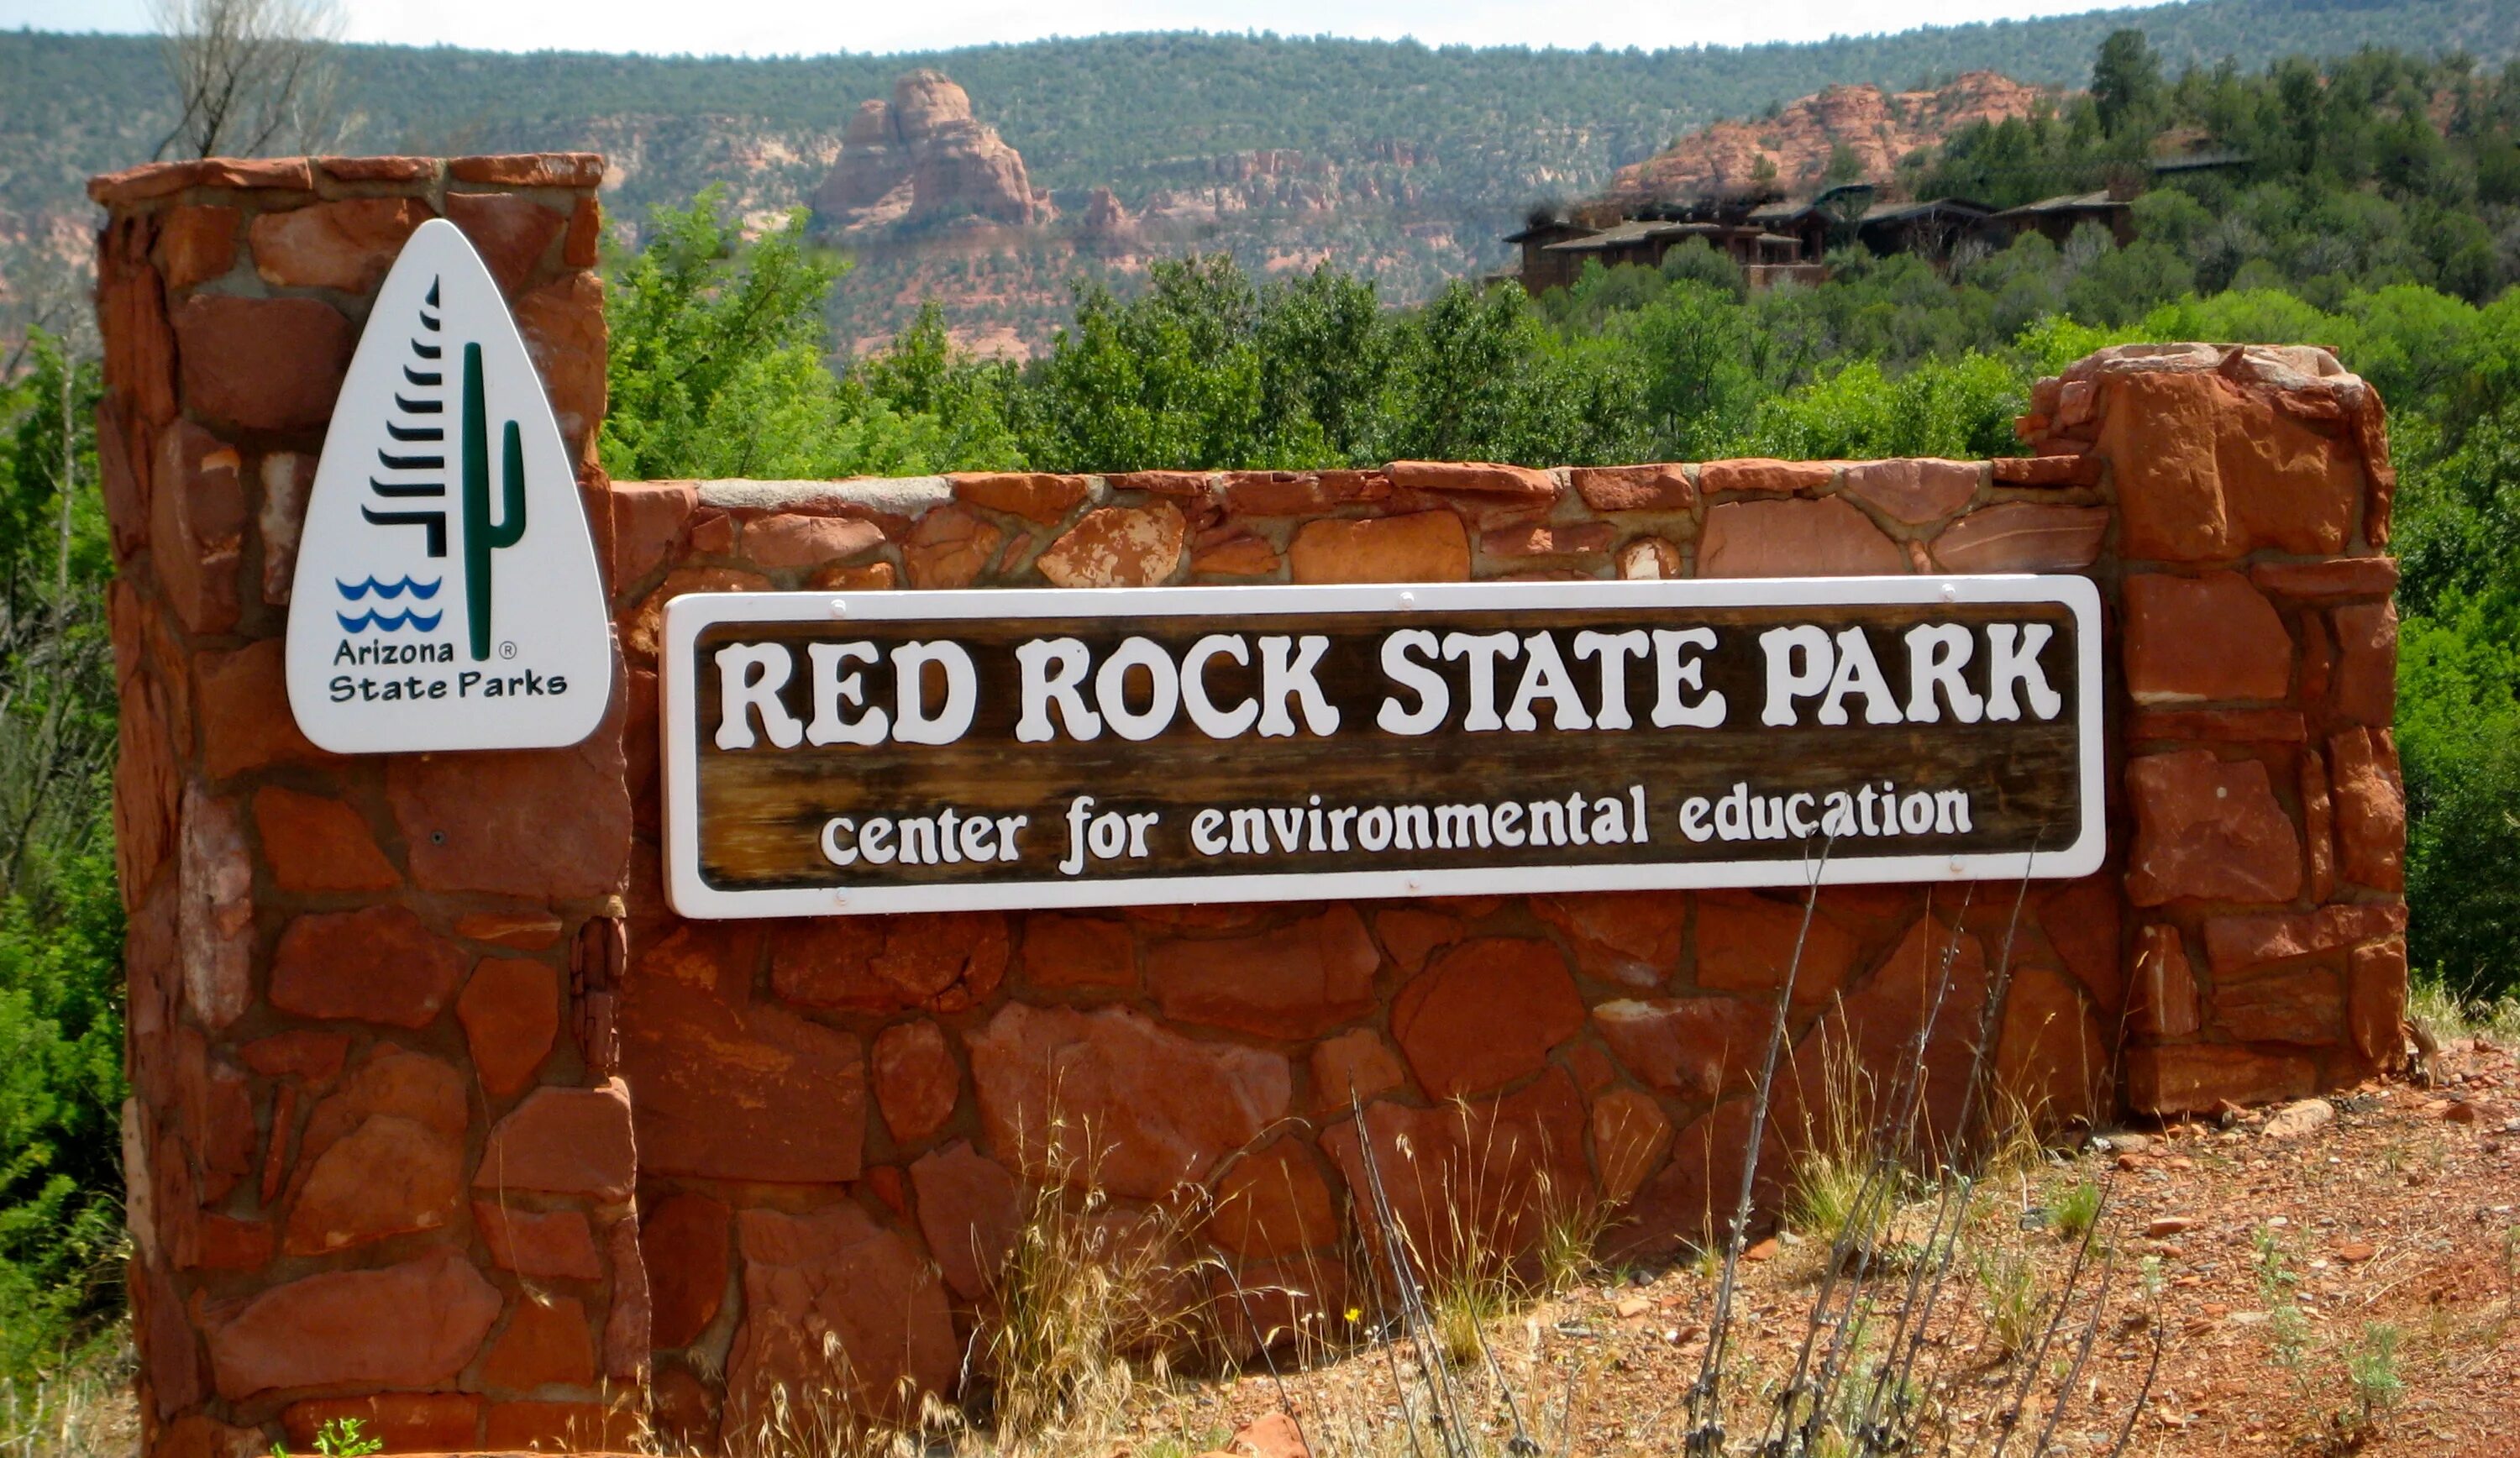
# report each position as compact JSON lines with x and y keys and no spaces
{"x":83,"y":1412}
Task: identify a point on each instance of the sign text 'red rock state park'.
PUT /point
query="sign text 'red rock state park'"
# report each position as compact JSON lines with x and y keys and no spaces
{"x":939,"y":751}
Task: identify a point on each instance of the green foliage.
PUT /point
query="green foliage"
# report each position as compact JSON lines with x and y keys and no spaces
{"x":61,"y":916}
{"x":2126,"y":83}
{"x":1963,"y":408}
{"x":717,"y":367}
{"x":2372,"y":1367}
{"x":338,"y":1438}
{"x":2077,"y":1211}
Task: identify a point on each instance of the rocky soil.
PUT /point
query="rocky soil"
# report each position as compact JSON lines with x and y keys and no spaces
{"x":2281,"y":1246}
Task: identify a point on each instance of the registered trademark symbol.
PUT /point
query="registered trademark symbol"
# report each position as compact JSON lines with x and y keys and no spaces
{"x":507,"y":649}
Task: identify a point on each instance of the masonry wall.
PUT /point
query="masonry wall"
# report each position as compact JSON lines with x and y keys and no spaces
{"x":398,"y":1023}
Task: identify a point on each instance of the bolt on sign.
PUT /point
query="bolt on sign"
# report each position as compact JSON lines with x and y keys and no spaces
{"x":446,"y":596}
{"x":1012,"y":748}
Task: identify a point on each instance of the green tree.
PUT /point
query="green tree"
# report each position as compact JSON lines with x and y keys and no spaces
{"x":2126,"y":82}
{"x":60,"y":914}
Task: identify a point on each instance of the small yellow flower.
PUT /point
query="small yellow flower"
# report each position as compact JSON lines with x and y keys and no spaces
{"x":1355,"y":1313}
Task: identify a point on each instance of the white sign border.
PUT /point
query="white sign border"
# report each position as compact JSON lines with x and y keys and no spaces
{"x":686,"y":616}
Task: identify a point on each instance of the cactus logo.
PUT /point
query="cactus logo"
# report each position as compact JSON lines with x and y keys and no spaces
{"x":446,"y":596}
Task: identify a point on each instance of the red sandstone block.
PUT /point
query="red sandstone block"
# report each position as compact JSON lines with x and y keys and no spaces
{"x":1355,"y":1066}
{"x":404,"y":1421}
{"x":562,"y":325}
{"x":263,"y":363}
{"x":1234,"y":553}
{"x":1914,"y":490}
{"x":1180,"y":485}
{"x":2236,"y":943}
{"x":2218,"y":726}
{"x":2206,"y":638}
{"x":1473,"y":479}
{"x":2302,"y":1005}
{"x":2337,"y":577}
{"x":2165,"y":1003}
{"x":801,"y":540}
{"x":1634,"y":488}
{"x":196,"y":520}
{"x":558,"y":1428}
{"x":313,"y":844}
{"x":1422,"y":547}
{"x":1561,"y":539}
{"x":1166,"y":1107}
{"x":1793,"y":538}
{"x":2370,"y":808}
{"x":162,"y":179}
{"x":1274,"y":1202}
{"x":1118,"y":547}
{"x":2198,"y":1077}
{"x":1301,"y":493}
{"x":1484,"y":1013}
{"x":525,"y":931}
{"x":916,"y":1082}
{"x":547,"y":1342}
{"x":1035,"y":496}
{"x":2208,"y":469}
{"x":950,"y":547}
{"x":683,"y":1243}
{"x":2023,"y":537}
{"x":412,"y":1325}
{"x":302,"y":1053}
{"x":2048,"y":470}
{"x":531,"y":169}
{"x":1078,"y":951}
{"x":377,"y":169}
{"x":564,"y":1141}
{"x":970,"y":1210}
{"x":2376,"y":1001}
{"x":379,"y":964}
{"x":512,"y":233}
{"x":509,"y":1010}
{"x":2366,"y":681}
{"x":196,"y":242}
{"x":2209,"y":829}
{"x":1295,"y":981}
{"x":866,"y":576}
{"x":1767,"y":475}
{"x":584,"y":246}
{"x":347,"y":246}
{"x":558,"y":1244}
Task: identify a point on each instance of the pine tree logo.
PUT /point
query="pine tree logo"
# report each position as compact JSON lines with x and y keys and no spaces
{"x":442,"y":453}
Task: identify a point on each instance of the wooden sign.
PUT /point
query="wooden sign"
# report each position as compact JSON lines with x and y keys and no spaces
{"x":947,"y":751}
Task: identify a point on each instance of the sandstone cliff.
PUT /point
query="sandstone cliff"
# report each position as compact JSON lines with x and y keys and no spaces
{"x":923,"y":159}
{"x":1791,"y":153}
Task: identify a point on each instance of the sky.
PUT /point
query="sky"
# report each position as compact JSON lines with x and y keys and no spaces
{"x":765,"y":27}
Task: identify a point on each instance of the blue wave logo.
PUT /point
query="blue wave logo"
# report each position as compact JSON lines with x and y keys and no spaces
{"x":387,"y":622}
{"x":353,"y":591}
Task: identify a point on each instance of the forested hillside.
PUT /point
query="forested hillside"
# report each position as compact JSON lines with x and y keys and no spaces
{"x":1453,"y":142}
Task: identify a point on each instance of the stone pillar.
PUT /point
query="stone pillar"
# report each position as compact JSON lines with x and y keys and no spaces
{"x":2264,"y":825}
{"x":380,"y":1163}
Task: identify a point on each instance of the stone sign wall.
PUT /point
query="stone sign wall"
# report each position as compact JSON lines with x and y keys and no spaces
{"x":441,"y":1119}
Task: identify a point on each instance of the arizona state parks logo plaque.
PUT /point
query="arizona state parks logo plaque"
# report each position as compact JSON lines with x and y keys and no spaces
{"x":446,"y":595}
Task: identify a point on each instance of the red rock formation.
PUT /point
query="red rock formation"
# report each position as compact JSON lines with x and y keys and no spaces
{"x":922,"y":159}
{"x":1879,"y":127}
